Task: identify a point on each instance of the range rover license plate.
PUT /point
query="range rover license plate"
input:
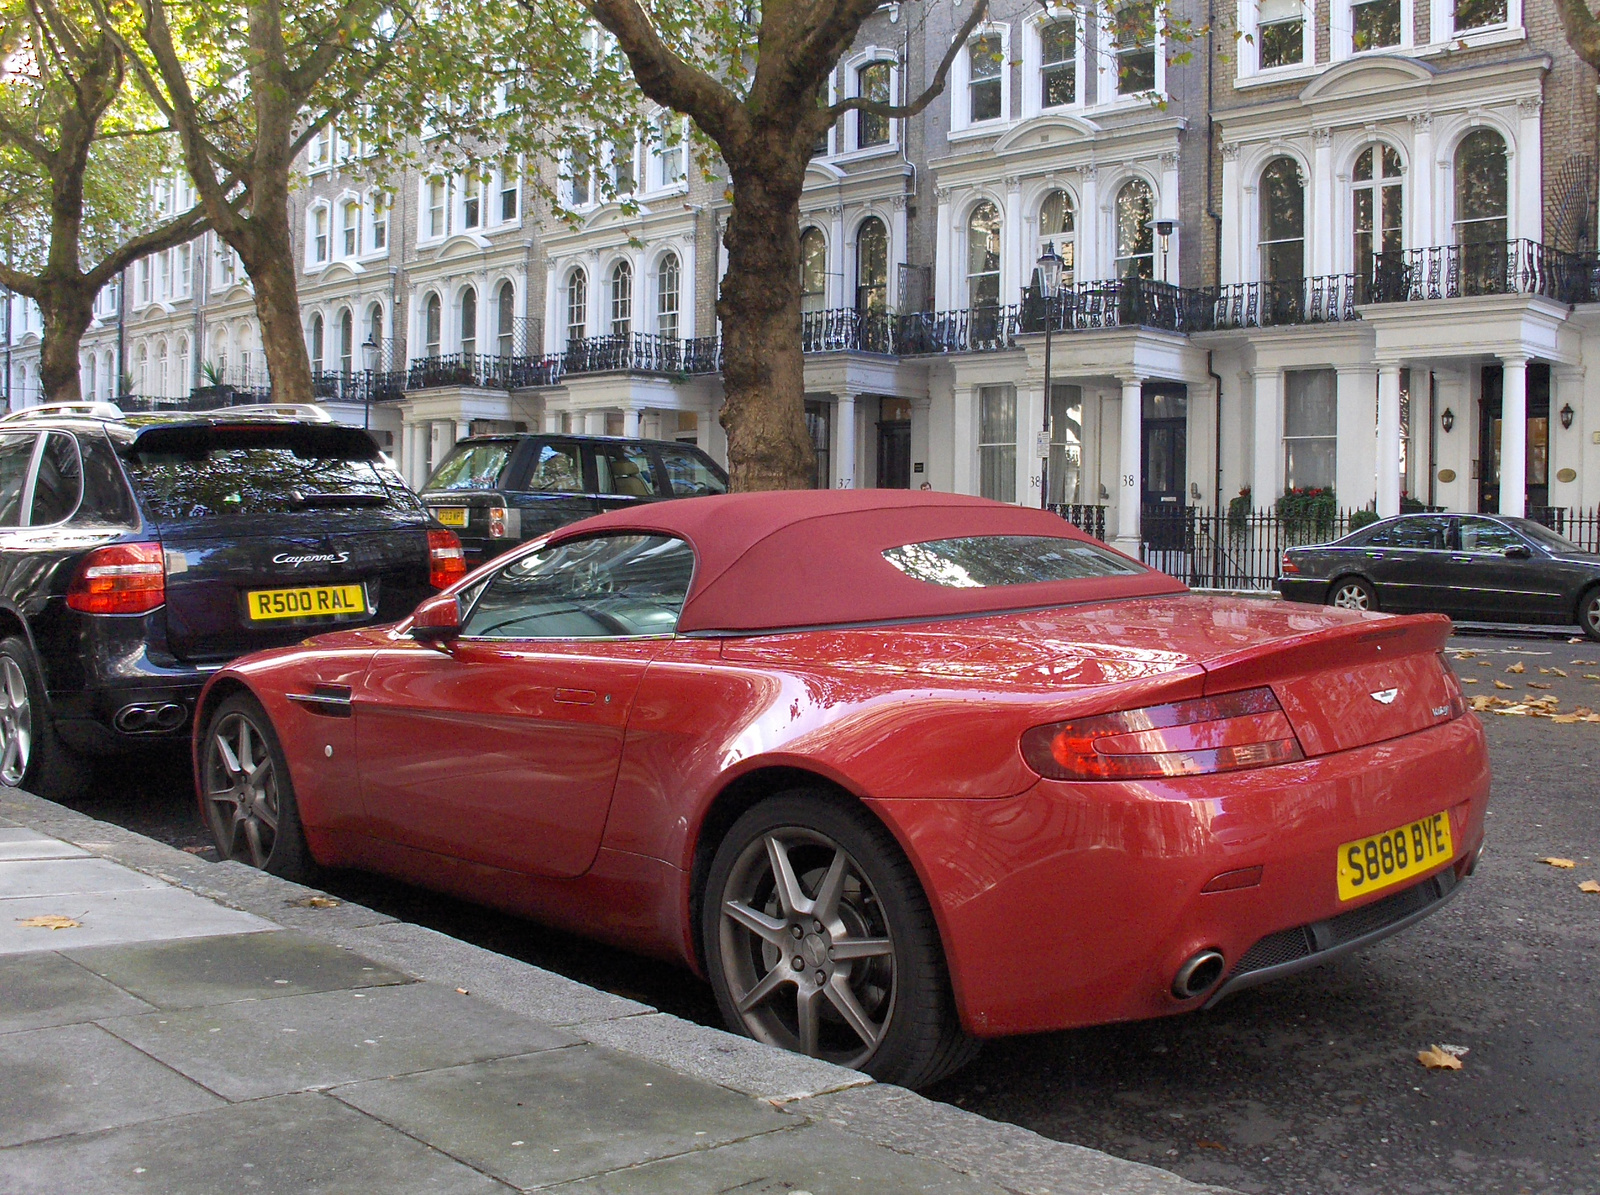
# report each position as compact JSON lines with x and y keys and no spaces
{"x":451,"y":516}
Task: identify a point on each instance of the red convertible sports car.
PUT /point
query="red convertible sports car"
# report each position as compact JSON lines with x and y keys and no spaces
{"x":895,"y":772}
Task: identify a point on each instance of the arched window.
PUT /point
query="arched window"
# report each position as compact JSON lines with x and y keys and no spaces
{"x":1058,"y":228}
{"x":1283,"y":222}
{"x":319,"y":235}
{"x":469,"y":322}
{"x":1377,"y":212}
{"x":577,"y":305}
{"x":621,"y":299}
{"x":1135,"y":243}
{"x":669,"y":287}
{"x":983,"y":256}
{"x":506,"y":319}
{"x":183,"y":381}
{"x":347,"y":342}
{"x":872,"y":267}
{"x":352,"y":227}
{"x":432,"y":325}
{"x":161,"y":370}
{"x":813,"y":270}
{"x":1482,"y":209}
{"x":317,"y":337}
{"x":872,"y":83}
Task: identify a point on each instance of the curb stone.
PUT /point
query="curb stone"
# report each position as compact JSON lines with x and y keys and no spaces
{"x":1005,"y":1155}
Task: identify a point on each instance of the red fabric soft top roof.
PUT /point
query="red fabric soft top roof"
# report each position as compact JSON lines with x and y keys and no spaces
{"x":803,"y":558}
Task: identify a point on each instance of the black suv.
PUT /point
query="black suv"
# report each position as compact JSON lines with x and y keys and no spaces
{"x":139,"y":554}
{"x":498,"y":491}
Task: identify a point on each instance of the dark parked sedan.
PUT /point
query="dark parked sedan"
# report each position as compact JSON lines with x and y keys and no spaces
{"x":1481,"y":568}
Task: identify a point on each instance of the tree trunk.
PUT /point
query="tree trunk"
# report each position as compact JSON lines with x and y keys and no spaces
{"x":267,"y":251}
{"x":67,"y":313}
{"x":763,"y":369}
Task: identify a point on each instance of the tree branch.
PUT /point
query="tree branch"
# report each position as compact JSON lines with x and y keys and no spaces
{"x":1582,"y":29}
{"x":858,"y":103}
{"x":174,"y":232}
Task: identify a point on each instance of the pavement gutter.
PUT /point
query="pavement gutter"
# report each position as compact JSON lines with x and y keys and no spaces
{"x":1010,"y":1157}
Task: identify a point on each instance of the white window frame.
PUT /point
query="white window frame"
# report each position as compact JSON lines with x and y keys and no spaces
{"x":655,"y":158}
{"x":961,"y":76}
{"x":1341,"y":26}
{"x":852,"y":121}
{"x":1106,"y":93}
{"x":183,"y":271}
{"x":472,"y":189}
{"x":377,"y":210}
{"x":507,"y":184}
{"x":1249,"y":43}
{"x":657,"y":308}
{"x":1442,"y":28}
{"x":315,"y":257}
{"x":319,"y":153}
{"x":350,"y":238}
{"x":1033,"y":61}
{"x":567,"y":179}
{"x":429,"y":230}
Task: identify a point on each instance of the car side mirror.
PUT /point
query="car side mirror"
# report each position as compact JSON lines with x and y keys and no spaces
{"x":1518,"y":552}
{"x":437,"y":621}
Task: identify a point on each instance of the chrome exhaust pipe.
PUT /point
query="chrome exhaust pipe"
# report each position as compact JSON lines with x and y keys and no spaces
{"x":170,"y":716}
{"x":1198,"y":975}
{"x":150,"y":718}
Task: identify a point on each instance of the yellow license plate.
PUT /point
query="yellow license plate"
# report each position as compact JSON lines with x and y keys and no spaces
{"x":314,"y":601}
{"x":1372,"y":864}
{"x":451,"y":516}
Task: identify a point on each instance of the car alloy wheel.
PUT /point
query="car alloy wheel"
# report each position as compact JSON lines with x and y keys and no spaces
{"x":16,"y":723}
{"x":808,"y":951}
{"x":241,"y":790}
{"x":1353,"y":595}
{"x":1589,"y":614}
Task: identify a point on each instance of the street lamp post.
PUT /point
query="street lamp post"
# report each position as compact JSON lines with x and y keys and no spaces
{"x":1050,"y":267}
{"x":369,"y":359}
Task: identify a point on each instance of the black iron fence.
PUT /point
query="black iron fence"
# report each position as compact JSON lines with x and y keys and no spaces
{"x":1231,"y":549}
{"x":1582,"y":527}
{"x":1519,"y":267}
{"x":1091,"y":519}
{"x":1328,"y":298}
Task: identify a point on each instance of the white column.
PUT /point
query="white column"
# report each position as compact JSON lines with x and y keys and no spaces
{"x":1012,"y":273}
{"x":1086,"y":266}
{"x":1266,"y":474}
{"x":552,"y":420}
{"x":964,"y":441}
{"x":898,"y":252}
{"x":1513,"y":437}
{"x":1526,"y":168}
{"x":1030,"y":418}
{"x":1232,"y":222}
{"x":943,"y":263}
{"x":630,"y":422}
{"x":463,"y":429}
{"x":1356,"y":401}
{"x":1129,"y":472}
{"x":1322,"y":203}
{"x":555,"y":323}
{"x":1388,"y":462}
{"x":844,"y":442}
{"x":1169,"y":211}
{"x":840,"y":285}
{"x":688,"y":290}
{"x":594,"y":423}
{"x":1420,"y":180}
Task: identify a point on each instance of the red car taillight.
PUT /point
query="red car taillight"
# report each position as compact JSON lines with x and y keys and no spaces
{"x":1452,"y":686}
{"x":1247,"y":729}
{"x":1290,"y":568}
{"x":446,"y":564}
{"x":497,"y":522}
{"x":120,"y":579}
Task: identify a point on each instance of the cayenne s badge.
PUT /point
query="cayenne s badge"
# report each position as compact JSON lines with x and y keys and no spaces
{"x":1385,"y":696}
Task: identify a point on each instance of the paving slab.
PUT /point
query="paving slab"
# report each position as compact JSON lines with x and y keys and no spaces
{"x":292,"y":1145}
{"x":258,"y":1048}
{"x":814,"y":1159}
{"x":19,"y":843}
{"x":77,"y":1078}
{"x":69,"y":877}
{"x":220,"y":970}
{"x":139,"y":915}
{"x":563,"y":1114}
{"x":44,"y":988}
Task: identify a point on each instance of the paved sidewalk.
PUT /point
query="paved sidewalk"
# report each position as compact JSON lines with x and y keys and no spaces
{"x":197,"y":1028}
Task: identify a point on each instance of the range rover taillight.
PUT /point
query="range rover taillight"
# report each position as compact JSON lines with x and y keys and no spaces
{"x":1226,"y":733}
{"x":497,"y":522}
{"x":446,"y":563}
{"x":119,"y":579}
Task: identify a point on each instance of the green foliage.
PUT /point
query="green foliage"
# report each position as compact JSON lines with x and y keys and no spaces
{"x":1239,"y":511}
{"x":1362,"y":518}
{"x":1307,"y":513}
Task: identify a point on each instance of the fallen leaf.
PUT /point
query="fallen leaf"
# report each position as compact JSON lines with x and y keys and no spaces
{"x":1544,"y":672}
{"x":48,"y":921}
{"x":1557,"y":671}
{"x":464,"y":991}
{"x":1512,"y":709}
{"x":1436,"y":1059}
{"x":1576,"y":639}
{"x":1518,"y":667}
{"x":1537,"y":684}
{"x":196,"y":850}
{"x":316,"y":902}
{"x":1566,"y":719}
{"x":1500,"y":684}
{"x":1583,"y":711}
{"x":1485,"y":663}
{"x":1564,"y":864}
{"x":1204,"y":1144}
{"x":1469,"y":680}
{"x":1465,"y":655}
{"x":1483,"y":702}
{"x":1590,"y":676}
{"x":1590,"y":886}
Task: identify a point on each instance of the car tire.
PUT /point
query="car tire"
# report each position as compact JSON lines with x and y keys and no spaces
{"x":246,"y":794}
{"x":1352,"y":593}
{"x":1589,"y":613}
{"x":887,"y":1010}
{"x":32,"y":755}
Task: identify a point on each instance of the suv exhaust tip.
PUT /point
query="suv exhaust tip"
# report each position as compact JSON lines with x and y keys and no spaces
{"x":1198,"y":975}
{"x":150,"y":718}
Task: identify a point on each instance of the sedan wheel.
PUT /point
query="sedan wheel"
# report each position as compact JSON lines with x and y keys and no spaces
{"x":819,"y":940}
{"x":249,"y":803}
{"x":16,"y":723}
{"x":1589,"y":613}
{"x":1352,"y":594}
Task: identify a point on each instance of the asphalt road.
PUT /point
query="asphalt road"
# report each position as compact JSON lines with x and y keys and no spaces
{"x":1309,"y":1085}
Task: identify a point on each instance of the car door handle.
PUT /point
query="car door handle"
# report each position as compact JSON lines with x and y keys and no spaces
{"x":576,"y":696}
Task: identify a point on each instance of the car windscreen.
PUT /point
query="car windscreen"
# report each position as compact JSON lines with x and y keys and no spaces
{"x":473,"y":466}
{"x":1544,"y":537}
{"x":983,"y":561}
{"x":210,"y":471}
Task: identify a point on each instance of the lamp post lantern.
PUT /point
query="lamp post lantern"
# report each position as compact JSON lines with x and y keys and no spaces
{"x":369,"y":362}
{"x":1050,"y":267}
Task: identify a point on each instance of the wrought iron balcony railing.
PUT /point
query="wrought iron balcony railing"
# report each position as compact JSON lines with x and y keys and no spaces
{"x":1325,"y":299}
{"x":1519,"y":267}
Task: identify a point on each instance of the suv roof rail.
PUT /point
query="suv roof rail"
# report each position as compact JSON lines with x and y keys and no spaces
{"x":57,"y":410}
{"x":304,"y":411}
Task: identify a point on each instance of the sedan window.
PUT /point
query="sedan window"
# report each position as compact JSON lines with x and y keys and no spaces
{"x":1486,"y":535}
{"x":1428,"y":533}
{"x":598,"y":588}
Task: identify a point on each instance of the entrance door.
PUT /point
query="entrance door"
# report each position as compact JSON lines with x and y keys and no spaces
{"x":1489,"y":426}
{"x":1166,"y":466}
{"x":894,"y":444}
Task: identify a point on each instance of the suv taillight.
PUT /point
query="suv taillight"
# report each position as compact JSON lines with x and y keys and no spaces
{"x":497,"y":522}
{"x":446,"y":564}
{"x":1247,"y":729}
{"x":120,"y":579}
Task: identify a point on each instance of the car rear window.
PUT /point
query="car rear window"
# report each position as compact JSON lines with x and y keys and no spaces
{"x":195,"y":472}
{"x":984,"y":561}
{"x":472,"y":467}
{"x":690,"y":474}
